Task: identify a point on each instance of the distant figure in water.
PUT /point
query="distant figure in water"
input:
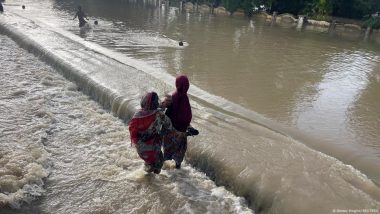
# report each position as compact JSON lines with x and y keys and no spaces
{"x":147,"y":128}
{"x":180,"y":43}
{"x":81,"y":16}
{"x":1,"y":8}
{"x":179,"y":112}
{"x":23,"y":7}
{"x":95,"y":22}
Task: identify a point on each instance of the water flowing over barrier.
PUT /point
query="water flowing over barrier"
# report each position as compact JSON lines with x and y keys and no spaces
{"x":273,"y":171}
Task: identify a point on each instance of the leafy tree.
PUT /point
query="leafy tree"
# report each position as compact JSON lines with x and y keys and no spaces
{"x":294,"y":6}
{"x":231,"y":5}
{"x":267,"y":3}
{"x":247,"y":6}
{"x":316,"y":8}
{"x":354,"y":8}
{"x":322,"y":7}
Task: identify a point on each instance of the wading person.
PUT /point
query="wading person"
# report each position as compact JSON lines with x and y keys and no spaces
{"x":81,"y":16}
{"x":179,"y":112}
{"x":1,"y":7}
{"x":147,"y":128}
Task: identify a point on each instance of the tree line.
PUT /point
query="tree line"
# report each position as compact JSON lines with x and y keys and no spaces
{"x":319,"y":9}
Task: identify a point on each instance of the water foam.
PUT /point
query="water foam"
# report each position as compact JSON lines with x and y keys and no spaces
{"x":268,"y":183}
{"x":93,"y":168}
{"x":23,"y":160}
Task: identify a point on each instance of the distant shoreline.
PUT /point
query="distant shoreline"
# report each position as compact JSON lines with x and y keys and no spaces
{"x":341,"y":27}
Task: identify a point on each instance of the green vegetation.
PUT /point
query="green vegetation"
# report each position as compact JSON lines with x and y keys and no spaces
{"x":373,"y":23}
{"x":230,"y":5}
{"x":319,"y":9}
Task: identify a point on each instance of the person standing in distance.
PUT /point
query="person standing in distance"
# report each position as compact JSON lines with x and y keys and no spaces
{"x":1,"y":7}
{"x":81,"y":17}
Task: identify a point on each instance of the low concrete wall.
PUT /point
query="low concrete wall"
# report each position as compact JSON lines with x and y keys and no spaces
{"x":204,"y":8}
{"x":316,"y":28}
{"x":189,"y":7}
{"x":352,"y":27}
{"x":375,"y":36}
{"x":263,"y":16}
{"x":286,"y":18}
{"x":352,"y":32}
{"x":221,"y":11}
{"x":318,"y":23}
{"x":348,"y":31}
{"x":239,"y":13}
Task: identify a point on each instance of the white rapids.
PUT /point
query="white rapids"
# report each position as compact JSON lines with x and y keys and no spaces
{"x":61,"y":148}
{"x":93,"y":169}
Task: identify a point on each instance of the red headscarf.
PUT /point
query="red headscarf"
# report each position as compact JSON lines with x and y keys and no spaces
{"x":180,"y":111}
{"x":144,"y":117}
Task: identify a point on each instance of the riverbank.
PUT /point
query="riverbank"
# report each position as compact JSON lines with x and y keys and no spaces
{"x":270,"y":169}
{"x":340,"y":27}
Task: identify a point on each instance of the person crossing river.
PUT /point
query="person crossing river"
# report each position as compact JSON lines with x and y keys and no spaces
{"x":178,"y":109}
{"x":1,"y":8}
{"x":81,"y":16}
{"x":147,"y":128}
{"x":151,"y":128}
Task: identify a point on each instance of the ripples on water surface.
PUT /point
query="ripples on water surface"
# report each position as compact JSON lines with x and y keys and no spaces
{"x":48,"y":128}
{"x":326,"y":87}
{"x":323,"y":86}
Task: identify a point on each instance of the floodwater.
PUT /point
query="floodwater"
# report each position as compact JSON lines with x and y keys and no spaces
{"x":50,"y":129}
{"x":263,"y":96}
{"x":326,"y":87}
